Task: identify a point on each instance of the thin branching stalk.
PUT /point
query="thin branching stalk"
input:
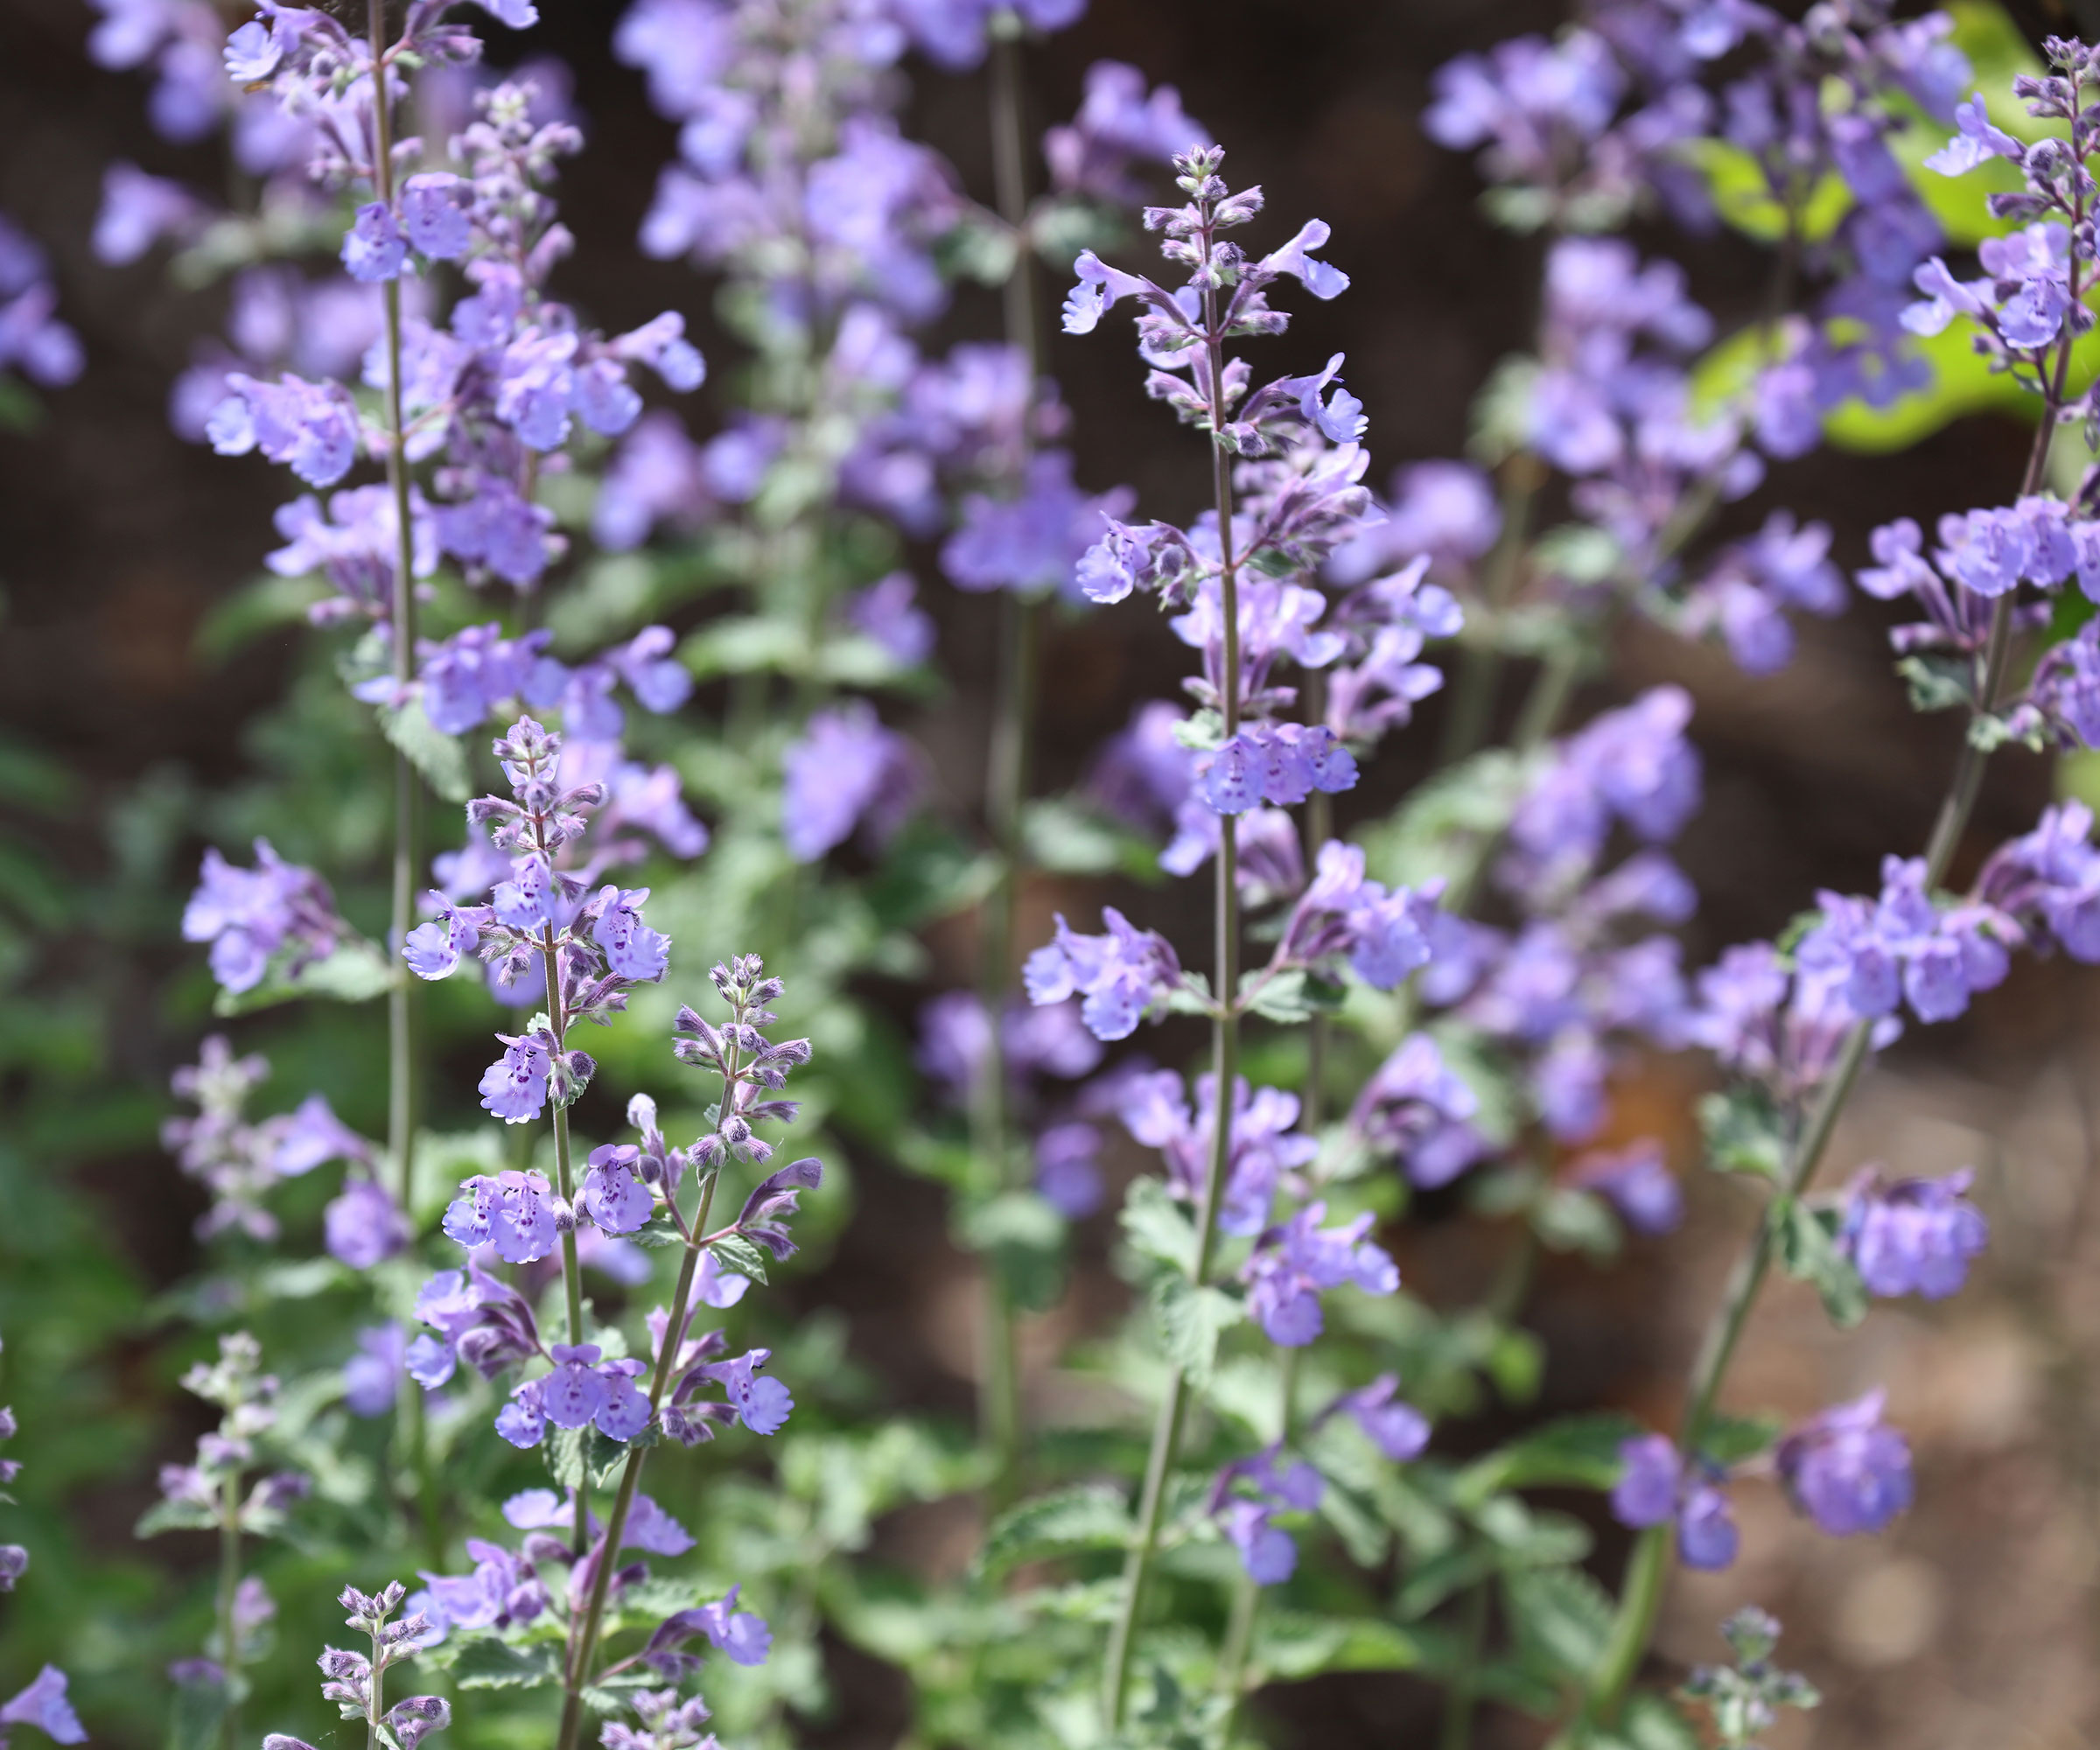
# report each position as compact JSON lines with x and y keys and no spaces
{"x":228,"y":1603}
{"x":1648,"y":1567}
{"x":1006,"y":779}
{"x":1225,"y":1067}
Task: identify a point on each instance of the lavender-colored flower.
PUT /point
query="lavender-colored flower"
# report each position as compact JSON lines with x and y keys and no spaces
{"x":1912,"y":1235}
{"x":1066,"y":1169}
{"x":310,"y":427}
{"x":138,"y":211}
{"x":514,"y":1088}
{"x":1384,"y":935}
{"x":1632,"y":764}
{"x":1119,"y":125}
{"x":249,"y":915}
{"x":1119,"y":976}
{"x":1262,"y":1156}
{"x":372,"y":1377}
{"x":1418,"y":1110}
{"x":1292,"y":1265}
{"x":1267,"y":1553}
{"x":612,"y":1195}
{"x":2049,"y":879}
{"x":1393,"y":1425}
{"x":32,"y":339}
{"x":1031,"y":544}
{"x":1655,"y":1487}
{"x":846,"y":770}
{"x":45,"y":1706}
{"x":1845,"y":1468}
{"x":885,"y":612}
{"x":364,"y":1226}
{"x":1636,"y":1182}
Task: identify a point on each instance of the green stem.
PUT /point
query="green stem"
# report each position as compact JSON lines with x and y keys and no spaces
{"x":1225,"y":1064}
{"x":1247,"y":1595}
{"x":229,"y":1593}
{"x":572,"y":1275}
{"x":1000,"y":1413}
{"x":375,"y":1699}
{"x":1480,"y":665}
{"x":1649,"y":1567}
{"x":1456,"y":1733}
{"x":584,"y":1646}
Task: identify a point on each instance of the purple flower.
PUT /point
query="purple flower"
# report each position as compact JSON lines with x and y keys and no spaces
{"x":1912,"y":1235}
{"x":249,"y":914}
{"x":1633,"y":764}
{"x":1845,"y":1468}
{"x":572,"y":1394}
{"x":373,"y":1375}
{"x":613,"y":1196}
{"x":433,"y":949}
{"x":311,"y":427}
{"x":1293,"y":1264}
{"x":1396,"y":1427}
{"x":1262,"y":1156}
{"x":2051,"y":878}
{"x":885,"y":611}
{"x":846,"y":770}
{"x":514,"y":1088}
{"x":651,"y":1528}
{"x":364,"y":1226}
{"x":633,"y":949}
{"x":1033,"y":543}
{"x":1282,"y":763}
{"x":1636,"y":1182}
{"x":138,"y":211}
{"x":1976,"y":140}
{"x":373,"y":249}
{"x":312,"y":1137}
{"x":1066,"y":1169}
{"x":741,"y":1634}
{"x":1118,"y":124}
{"x":1654,"y":1486}
{"x":1119,"y":976}
{"x":44,"y":1705}
{"x":1415,"y":1108}
{"x":1268,"y":1553}
{"x":760,"y":1402}
{"x":1384,"y":934}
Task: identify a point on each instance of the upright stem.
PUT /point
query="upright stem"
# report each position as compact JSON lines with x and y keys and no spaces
{"x":403,"y":998}
{"x":229,"y":1594}
{"x":1648,"y":1568}
{"x":1006,"y":777}
{"x":376,"y":1696}
{"x":584,"y":1646}
{"x":572,"y":1274}
{"x":1225,"y":1064}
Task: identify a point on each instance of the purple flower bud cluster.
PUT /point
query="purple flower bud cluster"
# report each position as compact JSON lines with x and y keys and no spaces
{"x":1292,"y":1265}
{"x":1845,"y":1468}
{"x":1636,"y":1182}
{"x":1263,"y":1152}
{"x":1119,"y":124}
{"x":207,"y":1492}
{"x":45,"y":1706}
{"x":1417,"y":1110}
{"x":1902,"y":948}
{"x":846,"y":772}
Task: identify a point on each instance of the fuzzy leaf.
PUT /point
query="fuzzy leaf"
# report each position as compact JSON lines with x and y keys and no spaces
{"x":1158,"y":1227}
{"x":1580,"y":1452}
{"x":489,"y":1663}
{"x":1730,"y":1440}
{"x":1190,"y":1320}
{"x":1808,"y":1252}
{"x":439,"y":757}
{"x":734,"y":1252}
{"x":1087,"y":1516}
{"x":174,"y":1515}
{"x":1561,"y":1618}
{"x":1291,"y":1646}
{"x":356,"y":971}
{"x":1023,"y":1238}
{"x":196,"y":1715}
{"x":1743,"y":1134}
{"x":564,"y":1454}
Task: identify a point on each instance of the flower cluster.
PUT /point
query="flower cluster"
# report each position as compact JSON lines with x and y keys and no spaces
{"x":32,"y":339}
{"x":251,"y":917}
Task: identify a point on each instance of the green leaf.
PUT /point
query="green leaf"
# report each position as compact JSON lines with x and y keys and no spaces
{"x":734,"y":1252}
{"x":1065,"y":837}
{"x":1937,"y":682}
{"x":439,"y":757}
{"x":174,"y":1515}
{"x":746,"y":645}
{"x":1086,"y":1516}
{"x":492,"y":1664}
{"x":1560,"y":1617}
{"x":1432,"y":1581}
{"x":1578,"y":1451}
{"x":1808,"y":1252}
{"x":565,"y":1453}
{"x":196,"y":1715}
{"x":1742,"y":194}
{"x":1292,"y":1646}
{"x":1743,"y":1132}
{"x":1652,"y":1722}
{"x":2068,"y":617}
{"x":1528,"y":1537}
{"x":929,"y":871}
{"x":356,"y":971}
{"x":1728,"y":1440}
{"x":1023,"y":1238}
{"x":1570,"y":1219}
{"x":657,"y":1232}
{"x":1158,"y":1227}
{"x":1191,"y":1320}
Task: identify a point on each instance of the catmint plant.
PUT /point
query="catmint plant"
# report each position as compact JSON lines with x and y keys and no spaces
{"x":43,"y":1702}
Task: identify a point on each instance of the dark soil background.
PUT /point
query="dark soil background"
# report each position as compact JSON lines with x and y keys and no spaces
{"x":1970,"y":1624}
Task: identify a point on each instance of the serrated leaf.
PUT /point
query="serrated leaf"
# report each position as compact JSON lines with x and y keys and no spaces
{"x":1190,"y":1320}
{"x":734,"y":1252}
{"x":657,"y":1232}
{"x":1807,"y":1251}
{"x":1156,"y":1227}
{"x":1560,"y":1617}
{"x":1567,"y":1219}
{"x":439,"y":757}
{"x":1652,"y":1722}
{"x":565,"y":1454}
{"x":1744,"y":1134}
{"x":1087,"y":1516}
{"x":1434,"y":1578}
{"x":174,"y":1515}
{"x":1063,"y":838}
{"x":1578,"y":1451}
{"x":1290,"y":998}
{"x":492,"y":1664}
{"x":1937,"y":683}
{"x":1528,"y":1537}
{"x":1292,"y":1646}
